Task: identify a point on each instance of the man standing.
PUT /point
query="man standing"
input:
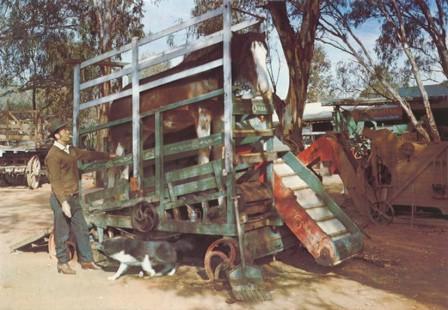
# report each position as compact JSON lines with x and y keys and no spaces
{"x":63,"y":174}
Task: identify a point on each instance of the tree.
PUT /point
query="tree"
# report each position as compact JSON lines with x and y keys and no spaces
{"x":107,"y":24}
{"x":339,"y":26}
{"x":298,"y":47}
{"x":35,"y":40}
{"x":39,"y":39}
{"x":399,"y":33}
{"x":435,"y":25}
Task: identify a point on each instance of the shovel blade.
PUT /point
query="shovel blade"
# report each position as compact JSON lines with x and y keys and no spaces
{"x":246,"y":284}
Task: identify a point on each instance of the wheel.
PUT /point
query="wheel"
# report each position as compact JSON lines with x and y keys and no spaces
{"x":32,"y":172}
{"x":220,"y":256}
{"x":144,"y":217}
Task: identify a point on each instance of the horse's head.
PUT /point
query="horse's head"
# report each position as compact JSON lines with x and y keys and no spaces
{"x":249,"y":54}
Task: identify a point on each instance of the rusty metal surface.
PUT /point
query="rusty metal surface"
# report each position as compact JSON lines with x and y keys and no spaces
{"x":219,"y":257}
{"x":302,"y":226}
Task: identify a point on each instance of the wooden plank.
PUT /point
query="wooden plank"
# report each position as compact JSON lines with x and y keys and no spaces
{"x":194,"y":144}
{"x":253,"y":132}
{"x":122,"y":204}
{"x":104,"y":220}
{"x":196,"y":186}
{"x":120,"y":187}
{"x":190,"y":172}
{"x":30,"y":239}
{"x":149,"y":181}
{"x":254,"y":158}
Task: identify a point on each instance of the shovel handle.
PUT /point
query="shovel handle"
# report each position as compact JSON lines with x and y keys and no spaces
{"x":240,"y":233}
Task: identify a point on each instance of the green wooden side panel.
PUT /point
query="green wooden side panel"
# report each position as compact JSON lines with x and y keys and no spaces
{"x":192,"y":171}
{"x":108,"y":193}
{"x":196,"y":186}
{"x":148,"y":154}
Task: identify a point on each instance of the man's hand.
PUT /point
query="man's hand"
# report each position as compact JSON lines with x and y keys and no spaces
{"x":112,"y":156}
{"x":66,"y":209}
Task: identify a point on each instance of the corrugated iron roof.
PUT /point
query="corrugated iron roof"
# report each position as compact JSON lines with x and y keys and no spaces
{"x":438,"y":90}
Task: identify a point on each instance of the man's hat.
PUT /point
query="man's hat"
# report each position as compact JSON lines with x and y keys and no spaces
{"x":55,"y":126}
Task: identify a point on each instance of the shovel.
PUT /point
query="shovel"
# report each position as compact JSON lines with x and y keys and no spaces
{"x":245,"y":280}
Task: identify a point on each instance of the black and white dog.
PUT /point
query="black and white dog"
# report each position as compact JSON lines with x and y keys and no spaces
{"x":156,"y":258}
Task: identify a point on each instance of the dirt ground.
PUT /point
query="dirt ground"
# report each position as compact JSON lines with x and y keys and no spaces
{"x":402,"y":267}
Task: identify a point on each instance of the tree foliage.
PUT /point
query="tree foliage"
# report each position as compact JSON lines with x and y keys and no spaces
{"x":41,"y":39}
{"x":320,"y":82}
{"x":339,"y":27}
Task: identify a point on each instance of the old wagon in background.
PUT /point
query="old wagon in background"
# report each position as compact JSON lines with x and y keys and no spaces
{"x":23,"y":146}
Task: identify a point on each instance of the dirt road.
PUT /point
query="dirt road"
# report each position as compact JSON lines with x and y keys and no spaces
{"x":402,"y":267}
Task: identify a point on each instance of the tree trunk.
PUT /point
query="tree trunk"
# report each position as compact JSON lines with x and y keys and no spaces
{"x":403,"y":39}
{"x":298,"y":49}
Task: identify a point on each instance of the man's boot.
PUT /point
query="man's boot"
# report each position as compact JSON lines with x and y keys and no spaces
{"x":65,"y":269}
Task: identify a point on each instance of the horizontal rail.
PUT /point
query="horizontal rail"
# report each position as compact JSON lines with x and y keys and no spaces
{"x":105,"y":78}
{"x":153,"y":37}
{"x":95,"y":102}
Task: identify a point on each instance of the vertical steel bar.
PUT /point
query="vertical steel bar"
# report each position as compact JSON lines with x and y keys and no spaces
{"x":76,"y":103}
{"x":75,"y":121}
{"x":228,"y":109}
{"x":136,"y":140}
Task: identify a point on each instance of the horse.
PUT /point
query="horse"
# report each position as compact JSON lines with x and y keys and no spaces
{"x":248,"y":61}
